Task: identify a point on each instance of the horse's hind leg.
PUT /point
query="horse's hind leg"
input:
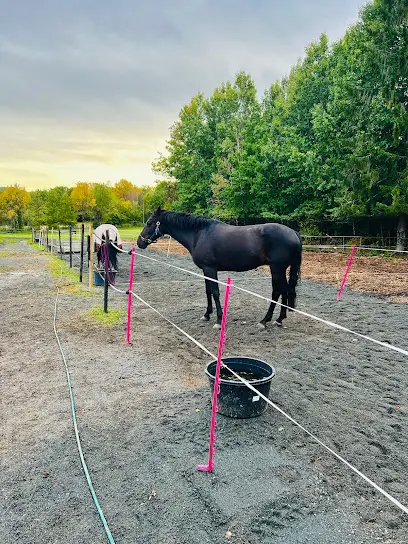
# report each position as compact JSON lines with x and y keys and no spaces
{"x":209,"y":311}
{"x":293,"y":280}
{"x":278,"y":287}
{"x":282,"y":314}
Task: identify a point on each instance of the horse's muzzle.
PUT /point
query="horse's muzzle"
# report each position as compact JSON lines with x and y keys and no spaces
{"x":142,"y":243}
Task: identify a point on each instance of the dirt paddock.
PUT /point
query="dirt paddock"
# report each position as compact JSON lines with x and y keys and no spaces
{"x":143,"y":411}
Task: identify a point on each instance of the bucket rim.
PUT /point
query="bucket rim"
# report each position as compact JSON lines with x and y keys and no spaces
{"x":260,"y":381}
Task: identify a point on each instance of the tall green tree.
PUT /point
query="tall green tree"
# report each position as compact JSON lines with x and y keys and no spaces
{"x":294,"y":185}
{"x":233,"y":115}
{"x":104,"y":198}
{"x":190,"y":157}
{"x":36,"y":213}
{"x":59,"y":207}
{"x":364,"y":125}
{"x":164,"y":194}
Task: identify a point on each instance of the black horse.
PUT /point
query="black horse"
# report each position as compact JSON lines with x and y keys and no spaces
{"x":216,"y":246}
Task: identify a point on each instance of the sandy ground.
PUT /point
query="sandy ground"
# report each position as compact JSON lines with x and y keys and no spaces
{"x":143,"y":413}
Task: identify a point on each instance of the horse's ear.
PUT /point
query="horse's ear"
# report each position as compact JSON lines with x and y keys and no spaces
{"x":159,"y":209}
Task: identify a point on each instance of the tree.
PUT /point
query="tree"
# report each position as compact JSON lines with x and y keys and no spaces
{"x":329,"y":141}
{"x":13,"y":202}
{"x":125,"y":190}
{"x":364,"y":125}
{"x":36,"y":212}
{"x":104,"y":197}
{"x":292,"y":183}
{"x":59,"y":207}
{"x":164,"y":195}
{"x":190,"y":158}
{"x":83,"y":200}
{"x":233,"y":114}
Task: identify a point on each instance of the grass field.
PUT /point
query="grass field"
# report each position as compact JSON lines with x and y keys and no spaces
{"x":130,"y":234}
{"x":14,"y":236}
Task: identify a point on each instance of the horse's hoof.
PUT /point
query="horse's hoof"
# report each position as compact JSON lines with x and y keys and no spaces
{"x":217,"y":326}
{"x":278,"y":323}
{"x":261,"y":326}
{"x":205,"y":318}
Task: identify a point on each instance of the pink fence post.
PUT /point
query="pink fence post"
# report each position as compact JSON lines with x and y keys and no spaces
{"x":130,"y":297}
{"x":346,"y":273}
{"x":213,"y":423}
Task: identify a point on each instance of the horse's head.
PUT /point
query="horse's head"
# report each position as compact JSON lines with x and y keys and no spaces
{"x":151,"y":230}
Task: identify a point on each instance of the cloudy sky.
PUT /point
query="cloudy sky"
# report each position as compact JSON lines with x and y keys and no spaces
{"x":89,"y":88}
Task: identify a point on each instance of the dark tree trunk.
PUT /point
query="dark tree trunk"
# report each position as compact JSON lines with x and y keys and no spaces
{"x":402,"y":228}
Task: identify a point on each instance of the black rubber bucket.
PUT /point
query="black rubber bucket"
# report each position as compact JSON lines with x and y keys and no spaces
{"x":236,"y":399}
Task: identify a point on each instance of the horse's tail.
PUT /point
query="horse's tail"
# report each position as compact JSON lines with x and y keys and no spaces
{"x":294,"y":275}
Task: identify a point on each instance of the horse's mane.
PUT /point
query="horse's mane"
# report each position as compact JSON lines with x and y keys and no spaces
{"x":185,"y":220}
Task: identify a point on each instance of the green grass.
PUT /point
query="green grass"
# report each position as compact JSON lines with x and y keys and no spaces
{"x":23,"y":234}
{"x":57,"y":265}
{"x":34,"y":245}
{"x":113,"y":317}
{"x":13,"y":237}
{"x":130,"y":234}
{"x":68,"y":278}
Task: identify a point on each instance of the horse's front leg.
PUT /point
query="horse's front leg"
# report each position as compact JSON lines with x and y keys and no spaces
{"x":211,"y":273}
{"x":206,"y":316}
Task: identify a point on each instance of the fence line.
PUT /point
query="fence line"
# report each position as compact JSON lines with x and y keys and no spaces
{"x":364,"y":248}
{"x":277,"y":408}
{"x":311,"y":246}
{"x":257,"y":295}
{"x":296,"y":310}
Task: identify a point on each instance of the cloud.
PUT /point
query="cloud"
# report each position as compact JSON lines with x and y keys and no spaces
{"x":121,"y":71}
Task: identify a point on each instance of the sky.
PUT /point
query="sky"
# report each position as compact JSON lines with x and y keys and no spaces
{"x":90,"y":88}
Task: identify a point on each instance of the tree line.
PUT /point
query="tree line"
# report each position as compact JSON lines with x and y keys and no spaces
{"x":121,"y":203}
{"x":328,"y":142}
